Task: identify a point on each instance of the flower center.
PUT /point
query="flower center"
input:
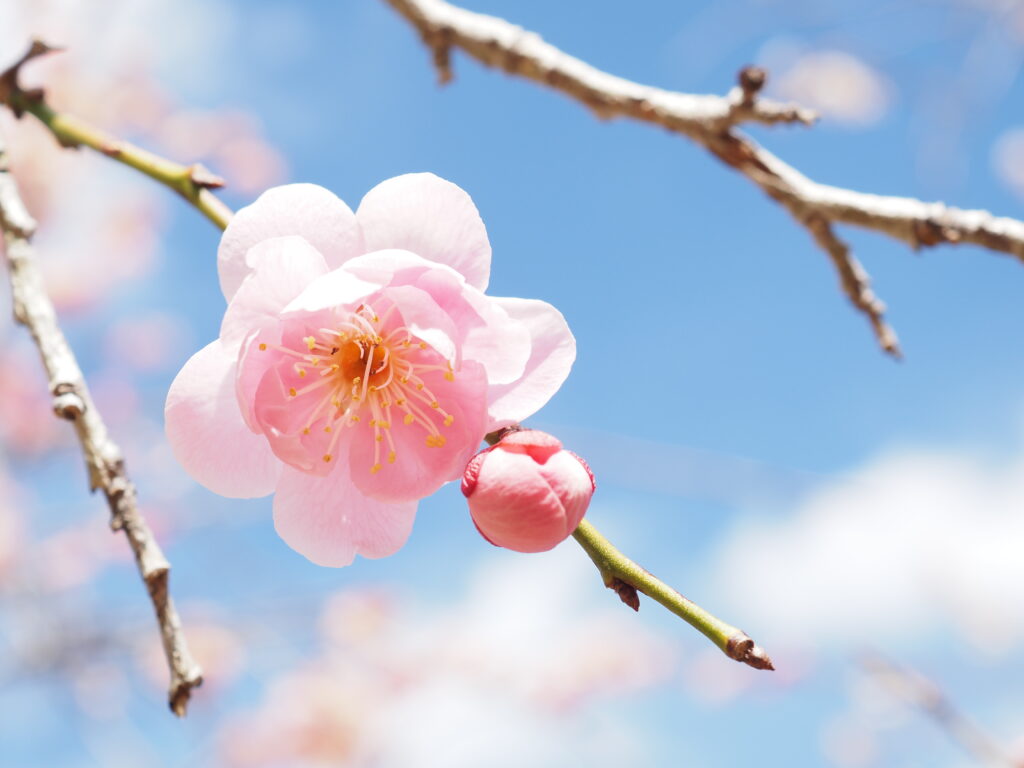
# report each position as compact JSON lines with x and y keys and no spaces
{"x":358,"y":369}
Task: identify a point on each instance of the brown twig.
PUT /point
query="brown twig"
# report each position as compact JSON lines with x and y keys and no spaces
{"x":711,"y":122}
{"x":103,"y":460}
{"x":924,"y":694}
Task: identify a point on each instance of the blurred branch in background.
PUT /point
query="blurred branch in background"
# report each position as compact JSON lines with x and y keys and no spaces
{"x":928,"y":698}
{"x":192,"y":182}
{"x":711,"y":122}
{"x":105,"y":464}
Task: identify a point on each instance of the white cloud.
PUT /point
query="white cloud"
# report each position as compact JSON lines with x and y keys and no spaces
{"x":506,"y":675}
{"x":842,"y":86}
{"x":1008,"y":159}
{"x":914,"y":542}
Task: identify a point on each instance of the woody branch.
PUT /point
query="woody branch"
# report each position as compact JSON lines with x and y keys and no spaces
{"x":103,"y":459}
{"x":711,"y":122}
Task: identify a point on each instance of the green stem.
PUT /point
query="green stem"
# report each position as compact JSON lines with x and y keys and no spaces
{"x":627,"y":578}
{"x":192,"y":182}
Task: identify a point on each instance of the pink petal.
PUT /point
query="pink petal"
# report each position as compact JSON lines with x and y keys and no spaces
{"x":282,"y":268}
{"x":335,"y":289}
{"x":328,"y":521}
{"x":553,"y":353}
{"x":419,"y":468}
{"x":430,"y":217}
{"x":485,"y":332}
{"x":306,"y":210}
{"x":206,"y":431}
{"x":282,"y":419}
{"x":418,"y":312}
{"x":526,"y":506}
{"x":392,"y":266}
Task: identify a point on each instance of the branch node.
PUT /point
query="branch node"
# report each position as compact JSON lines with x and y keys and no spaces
{"x":742,"y":648}
{"x":627,"y":592}
{"x":438,"y":40}
{"x":68,"y":406}
{"x":204,"y":178}
{"x":11,"y":91}
{"x":752,"y":80}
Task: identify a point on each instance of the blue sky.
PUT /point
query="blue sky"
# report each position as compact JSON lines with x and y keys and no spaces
{"x":722,"y":376}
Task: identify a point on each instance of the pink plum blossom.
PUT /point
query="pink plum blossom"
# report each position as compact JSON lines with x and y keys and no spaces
{"x":526,"y":493}
{"x":359,"y":362}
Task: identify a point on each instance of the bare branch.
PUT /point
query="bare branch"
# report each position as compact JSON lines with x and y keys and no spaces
{"x":923,"y":694}
{"x":711,"y":122}
{"x":496,"y":43}
{"x":103,"y":460}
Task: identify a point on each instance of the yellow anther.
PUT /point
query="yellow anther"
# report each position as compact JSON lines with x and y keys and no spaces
{"x":375,"y":469}
{"x":385,"y":404}
{"x":409,"y":419}
{"x":435,"y":404}
{"x":400,"y":401}
{"x":448,"y":420}
{"x":391,"y":457}
{"x":355,"y":419}
{"x":291,"y":391}
{"x":384,"y":424}
{"x":423,"y":345}
{"x":305,"y":431}
{"x":373,"y":422}
{"x":435,"y":441}
{"x":327,"y":428}
{"x":379,"y":438}
{"x":263,"y":347}
{"x":315,"y":361}
{"x":327,"y":457}
{"x":449,"y":376}
{"x":336,"y":403}
{"x":357,"y":379}
{"x":406,"y":343}
{"x":420,"y":385}
{"x":310,"y":342}
{"x":376,"y":319}
{"x":404,"y":379}
{"x":373,"y":388}
{"x":302,"y":373}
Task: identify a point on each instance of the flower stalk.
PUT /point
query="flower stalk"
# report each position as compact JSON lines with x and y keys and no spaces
{"x":626,"y":578}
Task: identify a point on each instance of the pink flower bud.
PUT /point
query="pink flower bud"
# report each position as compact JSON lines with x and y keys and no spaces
{"x":526,"y":493}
